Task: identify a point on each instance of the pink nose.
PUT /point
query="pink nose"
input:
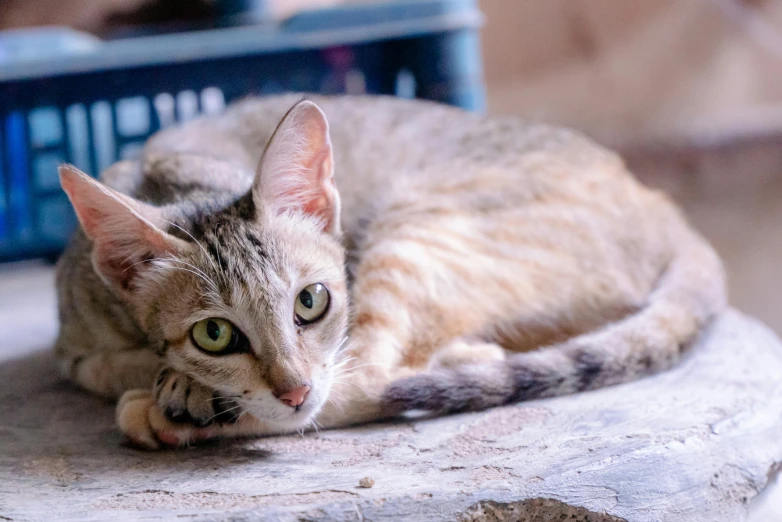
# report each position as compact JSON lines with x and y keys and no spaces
{"x":295,"y":397}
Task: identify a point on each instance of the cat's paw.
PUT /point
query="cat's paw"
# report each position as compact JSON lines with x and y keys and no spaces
{"x":133,"y":418}
{"x":177,"y":434}
{"x":145,"y":426}
{"x":184,"y":401}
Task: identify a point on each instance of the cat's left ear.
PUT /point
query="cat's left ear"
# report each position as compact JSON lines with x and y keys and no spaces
{"x":126,"y":233}
{"x":296,"y":172}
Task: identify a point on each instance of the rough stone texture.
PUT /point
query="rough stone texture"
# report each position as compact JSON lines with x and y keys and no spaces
{"x":696,"y":443}
{"x":532,"y":510}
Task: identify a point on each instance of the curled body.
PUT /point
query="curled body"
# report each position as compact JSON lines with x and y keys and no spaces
{"x":365,"y":257}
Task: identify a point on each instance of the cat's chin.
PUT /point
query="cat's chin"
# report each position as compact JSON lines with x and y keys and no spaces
{"x":289,"y":421}
{"x":279,"y":418}
{"x":291,"y":425}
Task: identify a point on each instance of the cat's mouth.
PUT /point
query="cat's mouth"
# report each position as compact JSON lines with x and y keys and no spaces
{"x":286,"y":418}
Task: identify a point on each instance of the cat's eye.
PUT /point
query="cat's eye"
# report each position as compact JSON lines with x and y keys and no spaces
{"x":312,"y":303}
{"x":215,"y":335}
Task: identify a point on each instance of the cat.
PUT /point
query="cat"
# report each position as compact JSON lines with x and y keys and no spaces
{"x":357,"y":258}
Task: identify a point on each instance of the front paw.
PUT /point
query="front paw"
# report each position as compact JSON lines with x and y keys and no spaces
{"x":133,"y":418}
{"x":143,"y":424}
{"x":184,"y":401}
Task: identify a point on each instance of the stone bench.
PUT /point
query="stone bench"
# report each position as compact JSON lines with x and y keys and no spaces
{"x":696,"y":443}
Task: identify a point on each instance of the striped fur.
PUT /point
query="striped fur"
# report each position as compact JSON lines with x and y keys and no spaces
{"x":474,"y":262}
{"x":688,"y":295}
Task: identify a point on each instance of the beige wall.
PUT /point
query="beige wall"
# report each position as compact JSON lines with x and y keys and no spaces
{"x":636,"y":70}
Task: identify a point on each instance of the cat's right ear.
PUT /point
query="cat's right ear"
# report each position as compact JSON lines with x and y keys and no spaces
{"x":296,"y":172}
{"x":125,"y":233}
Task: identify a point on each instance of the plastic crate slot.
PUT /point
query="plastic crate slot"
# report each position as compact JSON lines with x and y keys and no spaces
{"x":133,"y":118}
{"x":45,"y":127}
{"x":405,"y":84}
{"x":3,"y":201}
{"x":20,"y":202}
{"x":165,"y":109}
{"x":306,"y":79}
{"x":103,"y":135}
{"x":212,"y":100}
{"x":78,"y":136}
{"x":355,"y":82}
{"x":56,"y":219}
{"x":131,"y":150}
{"x":45,"y":171}
{"x":186,"y":105}
{"x":271,"y":87}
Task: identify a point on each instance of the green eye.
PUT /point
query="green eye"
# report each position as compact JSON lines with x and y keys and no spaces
{"x":311,"y":303}
{"x":213,"y":334}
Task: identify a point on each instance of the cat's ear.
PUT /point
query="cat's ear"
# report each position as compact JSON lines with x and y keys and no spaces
{"x":296,"y":172}
{"x":123,"y":231}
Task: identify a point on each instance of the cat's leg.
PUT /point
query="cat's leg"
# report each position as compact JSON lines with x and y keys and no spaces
{"x":110,"y":374}
{"x":464,"y":351}
{"x":354,"y":397}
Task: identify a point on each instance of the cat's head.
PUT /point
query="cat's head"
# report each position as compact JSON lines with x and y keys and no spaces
{"x":252,"y":300}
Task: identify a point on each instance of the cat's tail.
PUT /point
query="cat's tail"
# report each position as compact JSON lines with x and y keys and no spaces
{"x":690,"y":292}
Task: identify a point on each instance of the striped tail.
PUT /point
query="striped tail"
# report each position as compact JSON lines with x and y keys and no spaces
{"x":689,"y":294}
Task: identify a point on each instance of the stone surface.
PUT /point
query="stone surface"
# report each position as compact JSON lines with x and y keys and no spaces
{"x":696,"y":443}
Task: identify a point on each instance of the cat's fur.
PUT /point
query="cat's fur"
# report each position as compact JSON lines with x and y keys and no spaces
{"x":477,"y":261}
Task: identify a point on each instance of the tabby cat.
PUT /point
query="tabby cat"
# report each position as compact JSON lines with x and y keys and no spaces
{"x":223,"y":286}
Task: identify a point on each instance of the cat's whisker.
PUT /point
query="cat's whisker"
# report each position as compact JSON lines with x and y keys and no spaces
{"x":245,"y":412}
{"x":343,"y":362}
{"x":343,"y":348}
{"x":354,"y":384}
{"x":171,"y":259}
{"x":218,"y":397}
{"x":139,"y":263}
{"x":219,"y":258}
{"x":197,"y":242}
{"x":221,"y":412}
{"x":204,"y":276}
{"x":342,"y":343}
{"x":210,"y":298}
{"x":347,"y":358}
{"x":336,"y":404}
{"x":352,"y":368}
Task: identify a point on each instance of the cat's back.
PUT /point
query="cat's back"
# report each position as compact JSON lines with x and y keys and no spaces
{"x":380,"y":135}
{"x":386,"y":147}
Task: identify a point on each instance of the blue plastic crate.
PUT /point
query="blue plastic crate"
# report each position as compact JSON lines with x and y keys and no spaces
{"x":69,"y":97}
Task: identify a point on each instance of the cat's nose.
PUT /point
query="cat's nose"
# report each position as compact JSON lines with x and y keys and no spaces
{"x":295,"y":397}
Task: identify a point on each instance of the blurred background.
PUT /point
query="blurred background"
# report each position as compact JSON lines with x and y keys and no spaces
{"x":686,"y":90}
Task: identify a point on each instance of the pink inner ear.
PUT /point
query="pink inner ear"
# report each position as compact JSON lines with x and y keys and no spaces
{"x":120,"y":269}
{"x":122,"y":258}
{"x":91,"y":218}
{"x":317,"y":194}
{"x":122,"y":230}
